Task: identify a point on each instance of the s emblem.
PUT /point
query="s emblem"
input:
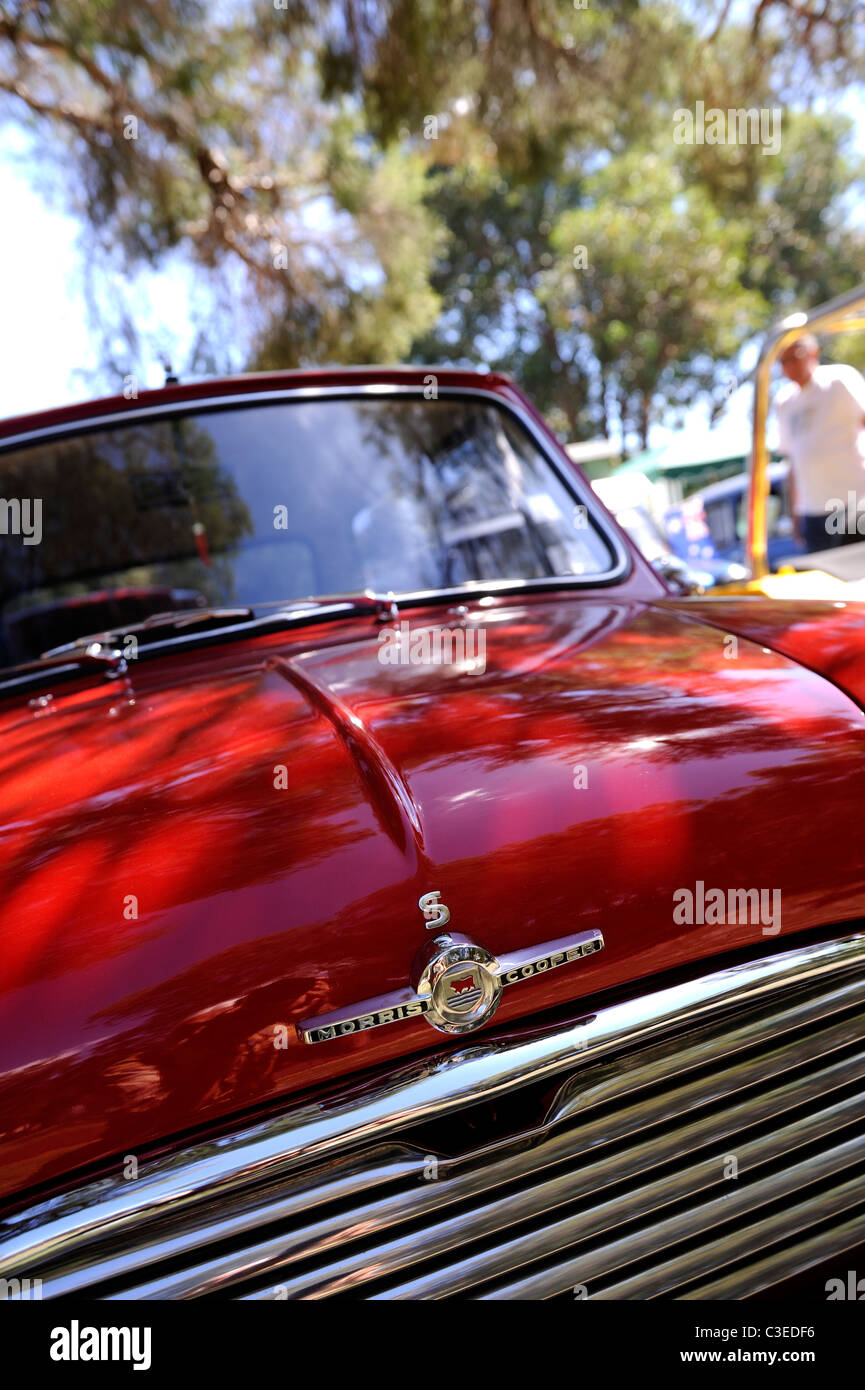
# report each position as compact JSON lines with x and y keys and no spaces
{"x":434,"y":910}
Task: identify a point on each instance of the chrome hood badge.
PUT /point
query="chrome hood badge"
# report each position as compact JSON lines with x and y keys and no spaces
{"x":455,"y":984}
{"x":458,"y":982}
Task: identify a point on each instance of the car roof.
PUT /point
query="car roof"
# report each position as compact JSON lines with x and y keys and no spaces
{"x":205,"y":388}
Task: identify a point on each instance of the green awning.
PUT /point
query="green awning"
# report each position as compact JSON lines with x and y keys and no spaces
{"x":686,"y":457}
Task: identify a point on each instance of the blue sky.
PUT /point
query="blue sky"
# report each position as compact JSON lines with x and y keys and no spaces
{"x":46,"y":354}
{"x":45,"y":334}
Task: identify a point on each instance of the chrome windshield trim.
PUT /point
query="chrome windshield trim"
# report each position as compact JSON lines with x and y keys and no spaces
{"x":193,"y":1177}
{"x":567,"y":475}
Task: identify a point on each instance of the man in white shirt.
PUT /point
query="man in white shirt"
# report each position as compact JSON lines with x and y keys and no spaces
{"x":821,"y":424}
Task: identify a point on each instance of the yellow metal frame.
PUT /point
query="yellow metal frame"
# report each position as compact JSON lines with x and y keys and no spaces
{"x":839,"y":315}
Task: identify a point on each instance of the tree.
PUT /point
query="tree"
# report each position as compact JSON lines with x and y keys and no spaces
{"x":650,"y":274}
{"x":489,"y":276}
{"x":373,"y":179}
{"x":174,"y":128}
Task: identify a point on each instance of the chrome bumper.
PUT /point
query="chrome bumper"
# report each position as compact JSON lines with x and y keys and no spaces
{"x":700,"y":1141}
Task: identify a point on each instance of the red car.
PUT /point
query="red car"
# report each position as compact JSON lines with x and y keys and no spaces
{"x":340,"y":722}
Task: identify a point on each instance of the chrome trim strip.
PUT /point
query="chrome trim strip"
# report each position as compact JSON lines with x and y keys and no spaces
{"x":550,"y":955}
{"x":191,"y":1183}
{"x":404,"y":1003}
{"x":366,"y":1014}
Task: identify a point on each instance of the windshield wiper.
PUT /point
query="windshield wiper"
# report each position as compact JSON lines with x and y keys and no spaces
{"x":191,"y":627}
{"x":61,"y":667}
{"x":384,"y":606}
{"x":174,"y":620}
{"x":205,"y":622}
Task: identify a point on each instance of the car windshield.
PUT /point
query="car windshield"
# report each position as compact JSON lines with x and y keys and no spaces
{"x":265,"y":503}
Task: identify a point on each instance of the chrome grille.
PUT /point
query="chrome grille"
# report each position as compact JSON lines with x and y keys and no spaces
{"x":617,"y":1182}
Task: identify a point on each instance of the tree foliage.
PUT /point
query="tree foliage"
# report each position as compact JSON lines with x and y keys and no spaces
{"x":375,"y":179}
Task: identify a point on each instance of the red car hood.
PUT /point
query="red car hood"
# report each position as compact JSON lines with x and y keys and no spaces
{"x":234,"y":840}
